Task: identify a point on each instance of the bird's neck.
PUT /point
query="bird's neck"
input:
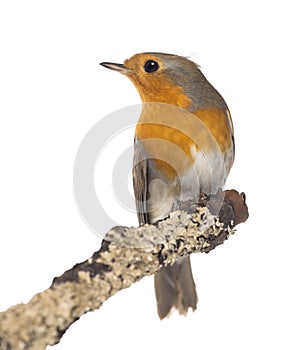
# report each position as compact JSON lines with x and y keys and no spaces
{"x":166,"y":93}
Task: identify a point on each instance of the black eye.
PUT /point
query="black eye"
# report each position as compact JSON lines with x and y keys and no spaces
{"x":151,"y":66}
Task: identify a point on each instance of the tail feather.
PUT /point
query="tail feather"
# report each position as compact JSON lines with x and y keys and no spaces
{"x":174,"y":287}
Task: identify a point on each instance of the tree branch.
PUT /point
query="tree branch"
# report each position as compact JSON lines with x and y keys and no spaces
{"x":126,"y":255}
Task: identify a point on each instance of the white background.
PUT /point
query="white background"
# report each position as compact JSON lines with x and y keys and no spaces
{"x":53,"y":91}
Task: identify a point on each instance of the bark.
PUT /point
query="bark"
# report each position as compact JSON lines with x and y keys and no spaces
{"x":126,"y":255}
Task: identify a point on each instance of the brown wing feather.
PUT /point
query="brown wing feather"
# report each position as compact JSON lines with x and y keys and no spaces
{"x":140,"y":182}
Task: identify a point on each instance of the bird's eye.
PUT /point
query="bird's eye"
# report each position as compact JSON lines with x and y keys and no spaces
{"x":151,"y":66}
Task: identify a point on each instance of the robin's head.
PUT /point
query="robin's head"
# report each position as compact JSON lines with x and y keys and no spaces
{"x":167,"y":78}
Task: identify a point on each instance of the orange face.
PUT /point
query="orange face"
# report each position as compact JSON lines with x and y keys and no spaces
{"x":154,"y":85}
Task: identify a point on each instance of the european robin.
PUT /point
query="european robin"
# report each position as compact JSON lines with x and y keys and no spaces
{"x":184,"y":146}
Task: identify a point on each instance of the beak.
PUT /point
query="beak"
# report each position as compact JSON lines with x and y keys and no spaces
{"x":118,"y":67}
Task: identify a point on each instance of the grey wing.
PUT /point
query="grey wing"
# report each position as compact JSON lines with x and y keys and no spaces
{"x":140,"y":182}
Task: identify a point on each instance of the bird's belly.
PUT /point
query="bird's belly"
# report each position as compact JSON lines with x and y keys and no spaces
{"x":207,"y":175}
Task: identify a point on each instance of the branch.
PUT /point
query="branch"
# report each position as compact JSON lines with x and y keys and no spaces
{"x":126,"y":255}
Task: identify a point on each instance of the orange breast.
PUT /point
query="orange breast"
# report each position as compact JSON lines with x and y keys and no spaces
{"x":217,"y":121}
{"x":172,"y":135}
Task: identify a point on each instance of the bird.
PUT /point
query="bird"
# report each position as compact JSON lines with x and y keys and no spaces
{"x":183,"y":147}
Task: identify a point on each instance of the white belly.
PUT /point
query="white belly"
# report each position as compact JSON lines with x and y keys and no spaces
{"x":208,"y":175}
